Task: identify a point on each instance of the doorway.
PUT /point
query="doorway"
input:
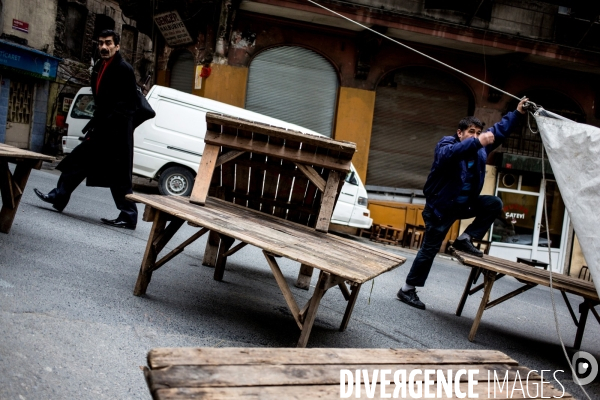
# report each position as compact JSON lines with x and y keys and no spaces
{"x":20,"y":113}
{"x":521,"y":230}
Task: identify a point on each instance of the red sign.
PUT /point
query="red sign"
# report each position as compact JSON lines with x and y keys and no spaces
{"x":20,"y":26}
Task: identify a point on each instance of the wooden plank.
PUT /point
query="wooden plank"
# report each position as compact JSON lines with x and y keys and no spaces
{"x":205,"y":173}
{"x":8,"y":151}
{"x":328,"y":201}
{"x":531,"y":274}
{"x":226,"y":157}
{"x":242,"y":177}
{"x":276,"y":132}
{"x":299,"y":243}
{"x":148,"y":215}
{"x":195,"y":376}
{"x":283,"y":286}
{"x":245,"y":144}
{"x":304,"y":277}
{"x":170,"y":356}
{"x":270,"y":182}
{"x":322,"y":392}
{"x":257,"y":177}
{"x":313,"y":175}
{"x":145,"y":274}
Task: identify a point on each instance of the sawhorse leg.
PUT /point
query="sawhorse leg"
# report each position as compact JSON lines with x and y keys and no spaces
{"x":351,"y":301}
{"x":11,"y":189}
{"x":226,"y":243}
{"x":304,"y":277}
{"x":584,"y":308}
{"x":489,"y":277}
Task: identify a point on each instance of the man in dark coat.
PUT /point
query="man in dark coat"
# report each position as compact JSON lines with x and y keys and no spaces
{"x":452,"y":192}
{"x":105,"y":156}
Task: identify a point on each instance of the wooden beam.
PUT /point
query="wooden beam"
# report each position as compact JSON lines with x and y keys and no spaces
{"x":312,"y":175}
{"x":205,"y":173}
{"x":277,"y":151}
{"x":178,"y":249}
{"x":320,"y":141}
{"x":228,"y":157}
{"x":285,"y":290}
{"x":235,"y":249}
{"x":328,"y":201}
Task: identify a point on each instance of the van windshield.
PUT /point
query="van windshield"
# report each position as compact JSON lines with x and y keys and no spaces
{"x":84,"y":107}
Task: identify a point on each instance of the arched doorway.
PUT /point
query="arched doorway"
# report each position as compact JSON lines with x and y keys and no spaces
{"x":414,"y":108}
{"x":182,"y":72}
{"x":296,"y":85}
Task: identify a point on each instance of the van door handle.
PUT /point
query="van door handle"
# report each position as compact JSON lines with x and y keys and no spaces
{"x":348,"y":194}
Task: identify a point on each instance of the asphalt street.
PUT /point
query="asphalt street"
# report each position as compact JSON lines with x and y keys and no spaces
{"x":70,"y":327}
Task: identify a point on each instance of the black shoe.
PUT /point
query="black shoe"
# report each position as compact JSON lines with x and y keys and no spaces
{"x":466,"y":246}
{"x":49,"y":199}
{"x":411,"y":298}
{"x":118,"y":223}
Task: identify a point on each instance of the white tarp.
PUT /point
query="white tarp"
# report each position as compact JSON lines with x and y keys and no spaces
{"x":574,"y":153}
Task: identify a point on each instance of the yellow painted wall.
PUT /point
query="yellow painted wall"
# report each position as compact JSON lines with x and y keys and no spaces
{"x":399,"y":214}
{"x":354,"y":120}
{"x":226,"y":84}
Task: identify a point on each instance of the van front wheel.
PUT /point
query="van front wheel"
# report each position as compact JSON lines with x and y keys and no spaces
{"x":176,"y":181}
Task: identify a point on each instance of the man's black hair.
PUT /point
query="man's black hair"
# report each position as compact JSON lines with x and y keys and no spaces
{"x":468,"y":121}
{"x":108,"y":33}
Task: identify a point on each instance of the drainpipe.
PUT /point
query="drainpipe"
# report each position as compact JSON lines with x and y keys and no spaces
{"x":228,"y":8}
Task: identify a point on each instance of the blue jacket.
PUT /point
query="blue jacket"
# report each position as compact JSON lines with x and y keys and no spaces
{"x":449,"y":168}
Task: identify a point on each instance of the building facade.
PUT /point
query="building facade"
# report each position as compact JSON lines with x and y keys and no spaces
{"x":293,"y":60}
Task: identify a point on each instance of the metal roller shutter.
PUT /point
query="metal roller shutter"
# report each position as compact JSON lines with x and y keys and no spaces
{"x":414,"y":109}
{"x":295,"y":85}
{"x":182,"y":73}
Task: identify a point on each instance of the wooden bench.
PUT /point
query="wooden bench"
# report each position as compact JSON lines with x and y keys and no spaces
{"x":13,"y":185}
{"x":276,"y":190}
{"x":284,"y":373}
{"x":493,"y":268}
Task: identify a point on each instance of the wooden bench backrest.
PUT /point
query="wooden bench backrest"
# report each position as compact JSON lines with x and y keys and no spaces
{"x":288,"y":174}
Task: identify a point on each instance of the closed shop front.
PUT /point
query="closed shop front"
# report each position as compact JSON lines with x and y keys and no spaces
{"x":182,"y":72}
{"x":414,"y":108}
{"x":295,"y":85}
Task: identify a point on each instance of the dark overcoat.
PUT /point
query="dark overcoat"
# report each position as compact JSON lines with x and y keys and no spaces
{"x":106,"y":153}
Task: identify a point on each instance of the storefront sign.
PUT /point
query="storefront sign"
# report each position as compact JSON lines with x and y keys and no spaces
{"x":172,"y":28}
{"x":27,"y":61}
{"x":66,"y":104}
{"x":515,"y":211}
{"x":20,"y":26}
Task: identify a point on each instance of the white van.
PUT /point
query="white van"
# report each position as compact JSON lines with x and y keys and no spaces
{"x":168,"y":148}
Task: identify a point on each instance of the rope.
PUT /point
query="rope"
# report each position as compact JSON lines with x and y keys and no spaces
{"x":411,"y":49}
{"x":529,"y":106}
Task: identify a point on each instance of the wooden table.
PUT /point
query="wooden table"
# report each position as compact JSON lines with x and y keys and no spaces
{"x":13,"y":185}
{"x":493,"y":268}
{"x":306,"y":374}
{"x":274,"y":189}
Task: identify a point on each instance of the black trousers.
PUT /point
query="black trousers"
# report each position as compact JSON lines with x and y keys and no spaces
{"x":68,"y":182}
{"x":485,"y":210}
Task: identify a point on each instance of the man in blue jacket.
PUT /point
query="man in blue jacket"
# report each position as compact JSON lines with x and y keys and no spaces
{"x":452,"y":192}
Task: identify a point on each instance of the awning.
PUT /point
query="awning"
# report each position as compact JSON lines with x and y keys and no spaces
{"x":28,"y":61}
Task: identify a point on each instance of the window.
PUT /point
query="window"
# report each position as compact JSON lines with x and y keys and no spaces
{"x":75,"y":29}
{"x":84,"y":107}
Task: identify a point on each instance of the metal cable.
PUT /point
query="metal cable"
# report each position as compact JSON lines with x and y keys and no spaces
{"x":411,"y":49}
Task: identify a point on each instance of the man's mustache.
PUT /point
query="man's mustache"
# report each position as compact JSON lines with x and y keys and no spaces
{"x":104,"y":52}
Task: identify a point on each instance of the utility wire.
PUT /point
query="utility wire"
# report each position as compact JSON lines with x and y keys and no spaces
{"x":411,"y":49}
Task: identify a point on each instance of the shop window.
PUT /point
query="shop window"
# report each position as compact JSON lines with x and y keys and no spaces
{"x":516,"y":224}
{"x":75,"y":29}
{"x":526,"y":141}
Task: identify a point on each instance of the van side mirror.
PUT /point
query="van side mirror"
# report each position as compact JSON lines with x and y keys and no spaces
{"x":351,"y":178}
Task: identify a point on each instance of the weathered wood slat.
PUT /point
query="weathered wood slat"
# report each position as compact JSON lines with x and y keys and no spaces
{"x":321,"y":141}
{"x":245,"y":144}
{"x":226,"y":157}
{"x":169,"y":356}
{"x":328,"y":201}
{"x":313,"y":175}
{"x":205,"y":173}
{"x":192,"y":376}
{"x":531,"y":274}
{"x":305,"y":245}
{"x":8,"y":151}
